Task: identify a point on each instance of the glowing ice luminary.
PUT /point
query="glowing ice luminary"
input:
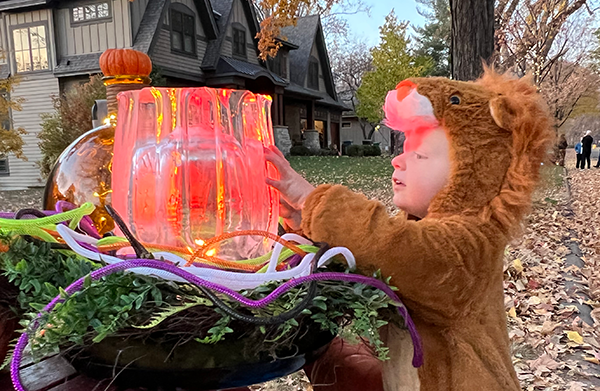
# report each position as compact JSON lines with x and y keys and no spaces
{"x":189,"y":165}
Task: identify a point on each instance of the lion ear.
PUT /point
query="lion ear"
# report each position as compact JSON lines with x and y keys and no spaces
{"x":504,"y":112}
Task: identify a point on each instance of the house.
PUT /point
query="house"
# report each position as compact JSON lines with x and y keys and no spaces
{"x":54,"y":45}
{"x":352,"y":133}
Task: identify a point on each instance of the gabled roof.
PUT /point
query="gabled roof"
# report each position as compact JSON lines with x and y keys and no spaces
{"x":224,"y":8}
{"x":308,"y":31}
{"x":152,"y":21}
{"x":149,"y":26}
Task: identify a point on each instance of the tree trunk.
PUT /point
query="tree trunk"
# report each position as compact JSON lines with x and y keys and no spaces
{"x":472,"y":37}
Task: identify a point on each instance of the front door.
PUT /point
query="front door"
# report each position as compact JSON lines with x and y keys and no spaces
{"x":335,"y":134}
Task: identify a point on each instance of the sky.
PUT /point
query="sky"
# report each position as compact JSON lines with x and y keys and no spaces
{"x":367,"y":27}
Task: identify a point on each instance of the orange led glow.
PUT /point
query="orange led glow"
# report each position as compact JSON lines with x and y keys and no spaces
{"x":211,"y":252}
{"x":199,"y":242}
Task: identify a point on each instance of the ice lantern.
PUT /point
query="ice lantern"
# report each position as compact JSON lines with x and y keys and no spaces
{"x":189,"y":165}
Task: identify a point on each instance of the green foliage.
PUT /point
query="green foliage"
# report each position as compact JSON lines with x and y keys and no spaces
{"x":393,"y":61}
{"x":71,"y":118}
{"x":158,"y":80}
{"x":300,"y":150}
{"x":433,"y":40}
{"x":126,"y":300}
{"x":11,"y":140}
{"x":363,"y":150}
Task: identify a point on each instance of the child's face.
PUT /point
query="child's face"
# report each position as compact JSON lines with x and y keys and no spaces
{"x":420,"y":174}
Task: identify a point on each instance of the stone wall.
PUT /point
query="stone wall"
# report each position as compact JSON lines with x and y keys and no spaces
{"x":311,"y":140}
{"x":282,"y":139}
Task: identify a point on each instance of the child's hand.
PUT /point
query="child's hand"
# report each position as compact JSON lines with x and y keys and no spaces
{"x":293,"y":187}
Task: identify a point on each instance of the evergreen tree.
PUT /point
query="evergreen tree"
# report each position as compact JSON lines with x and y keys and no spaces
{"x":433,"y":39}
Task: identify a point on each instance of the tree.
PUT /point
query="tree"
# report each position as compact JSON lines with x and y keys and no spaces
{"x":472,"y":37}
{"x":433,"y":39}
{"x":71,"y":118}
{"x":349,"y":63}
{"x":10,"y":138}
{"x":550,"y":40}
{"x":527,"y":33}
{"x":277,"y":14}
{"x":393,"y":61}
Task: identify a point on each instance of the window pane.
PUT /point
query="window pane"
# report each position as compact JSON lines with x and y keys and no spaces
{"x":239,"y":42}
{"x":188,"y":44}
{"x":25,"y":38}
{"x":103,"y":10}
{"x":44,"y":58}
{"x":34,"y":37}
{"x":26,"y":61}
{"x":19,"y":61}
{"x":90,"y":12}
{"x":17,"y":34}
{"x":35,"y":57}
{"x":176,"y":40}
{"x":176,"y":21}
{"x":188,"y":25}
{"x":42,"y":36}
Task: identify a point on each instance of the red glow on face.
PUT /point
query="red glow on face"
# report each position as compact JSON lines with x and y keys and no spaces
{"x":416,"y":133}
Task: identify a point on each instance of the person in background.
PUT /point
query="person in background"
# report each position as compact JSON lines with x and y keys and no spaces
{"x":562,"y":149}
{"x":578,"y":152}
{"x":586,"y":143}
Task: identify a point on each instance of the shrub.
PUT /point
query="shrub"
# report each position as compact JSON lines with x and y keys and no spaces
{"x":372,"y":150}
{"x":363,"y":150}
{"x":300,"y":150}
{"x":71,"y":118}
{"x":355,"y":150}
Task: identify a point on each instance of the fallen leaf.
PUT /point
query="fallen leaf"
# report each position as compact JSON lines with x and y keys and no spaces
{"x":592,"y":359}
{"x":575,"y":337}
{"x":518,"y":265}
{"x":512,"y":312}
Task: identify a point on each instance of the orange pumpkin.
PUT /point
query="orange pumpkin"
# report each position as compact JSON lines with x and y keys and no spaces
{"x":119,"y":62}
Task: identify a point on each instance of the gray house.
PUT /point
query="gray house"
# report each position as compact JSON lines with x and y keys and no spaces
{"x":54,"y":45}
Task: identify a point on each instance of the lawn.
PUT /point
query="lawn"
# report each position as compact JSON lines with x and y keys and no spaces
{"x":368,"y":175}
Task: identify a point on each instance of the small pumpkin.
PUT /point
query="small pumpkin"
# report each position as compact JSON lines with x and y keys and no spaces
{"x":130,"y":62}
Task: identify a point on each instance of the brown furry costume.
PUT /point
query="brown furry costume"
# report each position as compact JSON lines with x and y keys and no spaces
{"x":448,"y":266}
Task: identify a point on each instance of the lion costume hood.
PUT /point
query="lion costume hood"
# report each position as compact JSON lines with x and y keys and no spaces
{"x":448,"y":266}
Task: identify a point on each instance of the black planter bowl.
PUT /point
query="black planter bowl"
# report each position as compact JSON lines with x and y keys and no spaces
{"x":194,"y":366}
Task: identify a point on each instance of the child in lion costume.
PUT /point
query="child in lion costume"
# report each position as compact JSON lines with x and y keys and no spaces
{"x":472,"y":156}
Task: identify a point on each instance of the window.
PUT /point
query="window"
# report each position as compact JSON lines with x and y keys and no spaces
{"x":183,"y":35}
{"x":31,"y":52}
{"x":4,"y":171}
{"x":239,"y":42}
{"x":90,"y":12}
{"x":279,"y":63}
{"x":313,"y":74}
{"x":346,"y":124}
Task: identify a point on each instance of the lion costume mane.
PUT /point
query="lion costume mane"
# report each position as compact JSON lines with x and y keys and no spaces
{"x":448,"y":265}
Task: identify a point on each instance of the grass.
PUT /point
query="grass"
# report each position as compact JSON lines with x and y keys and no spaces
{"x":368,"y":175}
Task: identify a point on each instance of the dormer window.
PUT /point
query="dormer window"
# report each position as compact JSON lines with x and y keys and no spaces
{"x":183,"y":34}
{"x":278,"y":64}
{"x":90,"y":13}
{"x":313,"y":74}
{"x":239,"y":41}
